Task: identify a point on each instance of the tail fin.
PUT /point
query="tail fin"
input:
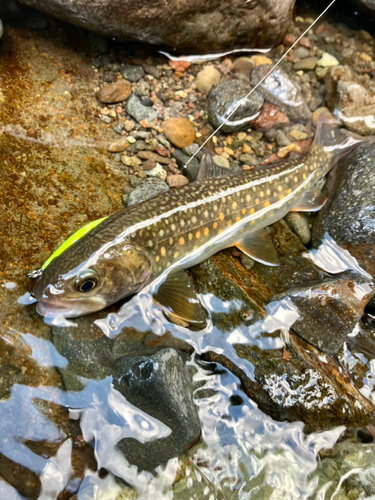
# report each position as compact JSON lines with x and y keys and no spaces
{"x":332,"y":138}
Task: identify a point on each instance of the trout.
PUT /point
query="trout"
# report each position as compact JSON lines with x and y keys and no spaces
{"x":154,"y":241}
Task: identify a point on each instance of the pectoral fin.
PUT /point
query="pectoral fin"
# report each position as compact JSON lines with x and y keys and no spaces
{"x":179,"y":300}
{"x":259,"y":246}
{"x":311,"y":201}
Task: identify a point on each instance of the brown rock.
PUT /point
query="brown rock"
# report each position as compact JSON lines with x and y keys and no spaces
{"x":118,"y":146}
{"x":149,"y":164}
{"x":146,"y":155}
{"x":268,"y":117}
{"x":179,"y":131}
{"x":289,"y":39}
{"x":207,"y":78}
{"x":243,"y":67}
{"x":115,"y":92}
{"x":185,"y":25}
{"x":175,"y":180}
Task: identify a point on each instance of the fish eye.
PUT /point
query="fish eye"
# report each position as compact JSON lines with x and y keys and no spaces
{"x":86,"y":280}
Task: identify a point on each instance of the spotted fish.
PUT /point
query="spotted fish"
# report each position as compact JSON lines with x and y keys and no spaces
{"x":154,"y":241}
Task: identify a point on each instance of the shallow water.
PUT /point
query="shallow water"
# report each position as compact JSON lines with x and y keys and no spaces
{"x":61,"y":419}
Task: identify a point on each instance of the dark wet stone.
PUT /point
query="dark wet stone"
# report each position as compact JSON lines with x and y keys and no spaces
{"x":190,"y":171}
{"x":348,"y":216}
{"x":132,"y":73}
{"x":280,"y":90}
{"x":148,"y":189}
{"x":159,"y":384}
{"x":25,"y":481}
{"x":330,"y":310}
{"x":225,"y":96}
{"x":138,"y":111}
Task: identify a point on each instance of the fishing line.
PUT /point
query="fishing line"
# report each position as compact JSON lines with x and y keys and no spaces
{"x":241,"y":101}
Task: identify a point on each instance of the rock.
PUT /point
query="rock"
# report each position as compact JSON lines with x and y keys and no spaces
{"x":138,"y":111}
{"x":293,"y":381}
{"x":281,"y":139}
{"x":146,"y":155}
{"x":207,"y":78}
{"x":269,"y":116}
{"x":148,"y":189}
{"x":149,"y":164}
{"x":129,"y":125}
{"x":115,"y":92}
{"x":307,"y":64}
{"x":158,"y":171}
{"x":353,"y":98}
{"x":191,"y":169}
{"x":142,"y":89}
{"x":299,"y":224}
{"x":327,"y":61}
{"x":191,"y":150}
{"x":118,"y":146}
{"x":259,"y":60}
{"x":131,"y":72}
{"x":348,"y":216}
{"x":302,"y":53}
{"x":243,"y":67}
{"x":225,"y":96}
{"x":177,"y":180}
{"x":179,"y":131}
{"x":186,"y":26}
{"x":330,"y":310}
{"x":279,"y":89}
{"x":248,"y":159}
{"x":159,"y":384}
{"x":220,"y":161}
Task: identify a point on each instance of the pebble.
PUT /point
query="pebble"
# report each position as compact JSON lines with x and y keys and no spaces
{"x":142,"y":89}
{"x":138,"y":111}
{"x":299,"y":224}
{"x":269,"y":116}
{"x":281,"y":139}
{"x":248,"y":159}
{"x":321,"y":72}
{"x":147,"y":189}
{"x":259,"y":60}
{"x":318,"y":112}
{"x":130,"y":161}
{"x":207,"y":79}
{"x":177,"y":180}
{"x":327,"y":61}
{"x":246,"y":261}
{"x":146,"y":155}
{"x":158,"y":171}
{"x":179,"y":131}
{"x":243,"y":67}
{"x":191,"y":149}
{"x":220,"y":161}
{"x":119,"y":127}
{"x":191,"y":169}
{"x":129,"y":125}
{"x":149,"y":164}
{"x":105,"y":118}
{"x":114,"y":92}
{"x":118,"y":146}
{"x":222,"y":99}
{"x":132,"y":73}
{"x":289,"y":39}
{"x":307,"y":64}
{"x":297,"y":135}
{"x":302,"y":53}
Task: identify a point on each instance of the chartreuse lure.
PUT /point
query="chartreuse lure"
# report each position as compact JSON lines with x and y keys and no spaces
{"x":72,"y":239}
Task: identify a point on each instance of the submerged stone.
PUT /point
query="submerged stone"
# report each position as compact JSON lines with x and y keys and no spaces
{"x":280,"y":90}
{"x":225,"y":97}
{"x":159,"y":384}
{"x":147,"y":189}
{"x":330,"y":310}
{"x":139,"y":111}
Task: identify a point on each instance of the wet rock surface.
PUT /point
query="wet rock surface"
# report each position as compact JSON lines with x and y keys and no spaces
{"x":348,"y":214}
{"x":211,"y":24}
{"x":330,"y":310}
{"x":225,"y":97}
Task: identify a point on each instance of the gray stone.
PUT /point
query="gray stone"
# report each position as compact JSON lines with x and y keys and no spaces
{"x":191,"y":149}
{"x":348,"y":216}
{"x":220,"y":161}
{"x":190,"y":171}
{"x":142,"y":89}
{"x":281,"y":139}
{"x":299,"y":224}
{"x":131,"y":72}
{"x":138,"y":111}
{"x":159,"y":384}
{"x":148,"y":189}
{"x":185,"y":25}
{"x":225,"y":96}
{"x":279,"y":89}
{"x":307,"y":64}
{"x":302,"y":53}
{"x":248,"y":159}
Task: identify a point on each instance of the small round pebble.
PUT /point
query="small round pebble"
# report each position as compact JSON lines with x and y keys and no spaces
{"x":299,"y":225}
{"x":220,"y":161}
{"x":207,"y":79}
{"x":132,"y":73}
{"x":177,"y":180}
{"x":179,"y":131}
{"x":115,"y":92}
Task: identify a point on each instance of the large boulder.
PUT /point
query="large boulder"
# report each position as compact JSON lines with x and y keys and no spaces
{"x":187,"y":25}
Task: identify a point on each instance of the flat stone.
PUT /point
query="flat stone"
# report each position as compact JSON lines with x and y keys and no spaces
{"x":177,"y":180}
{"x":220,"y":161}
{"x":138,"y":111}
{"x":179,"y":131}
{"x":115,"y":92}
{"x":132,"y":73}
{"x":327,"y":61}
{"x":118,"y":146}
{"x":307,"y":64}
{"x":146,"y":155}
{"x":147,"y":189}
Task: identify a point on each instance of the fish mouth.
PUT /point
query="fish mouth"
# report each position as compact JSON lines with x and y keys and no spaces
{"x":49,"y":310}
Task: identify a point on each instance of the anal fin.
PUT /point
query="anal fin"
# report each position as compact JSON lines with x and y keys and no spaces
{"x":311,"y":201}
{"x":259,"y":246}
{"x":177,"y":296}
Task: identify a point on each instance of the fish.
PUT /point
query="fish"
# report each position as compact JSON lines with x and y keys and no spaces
{"x":155,"y":241}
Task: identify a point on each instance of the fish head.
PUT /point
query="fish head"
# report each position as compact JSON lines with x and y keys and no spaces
{"x":70,"y":289}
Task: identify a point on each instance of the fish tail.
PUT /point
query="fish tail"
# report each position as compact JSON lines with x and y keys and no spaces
{"x":333,"y":139}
